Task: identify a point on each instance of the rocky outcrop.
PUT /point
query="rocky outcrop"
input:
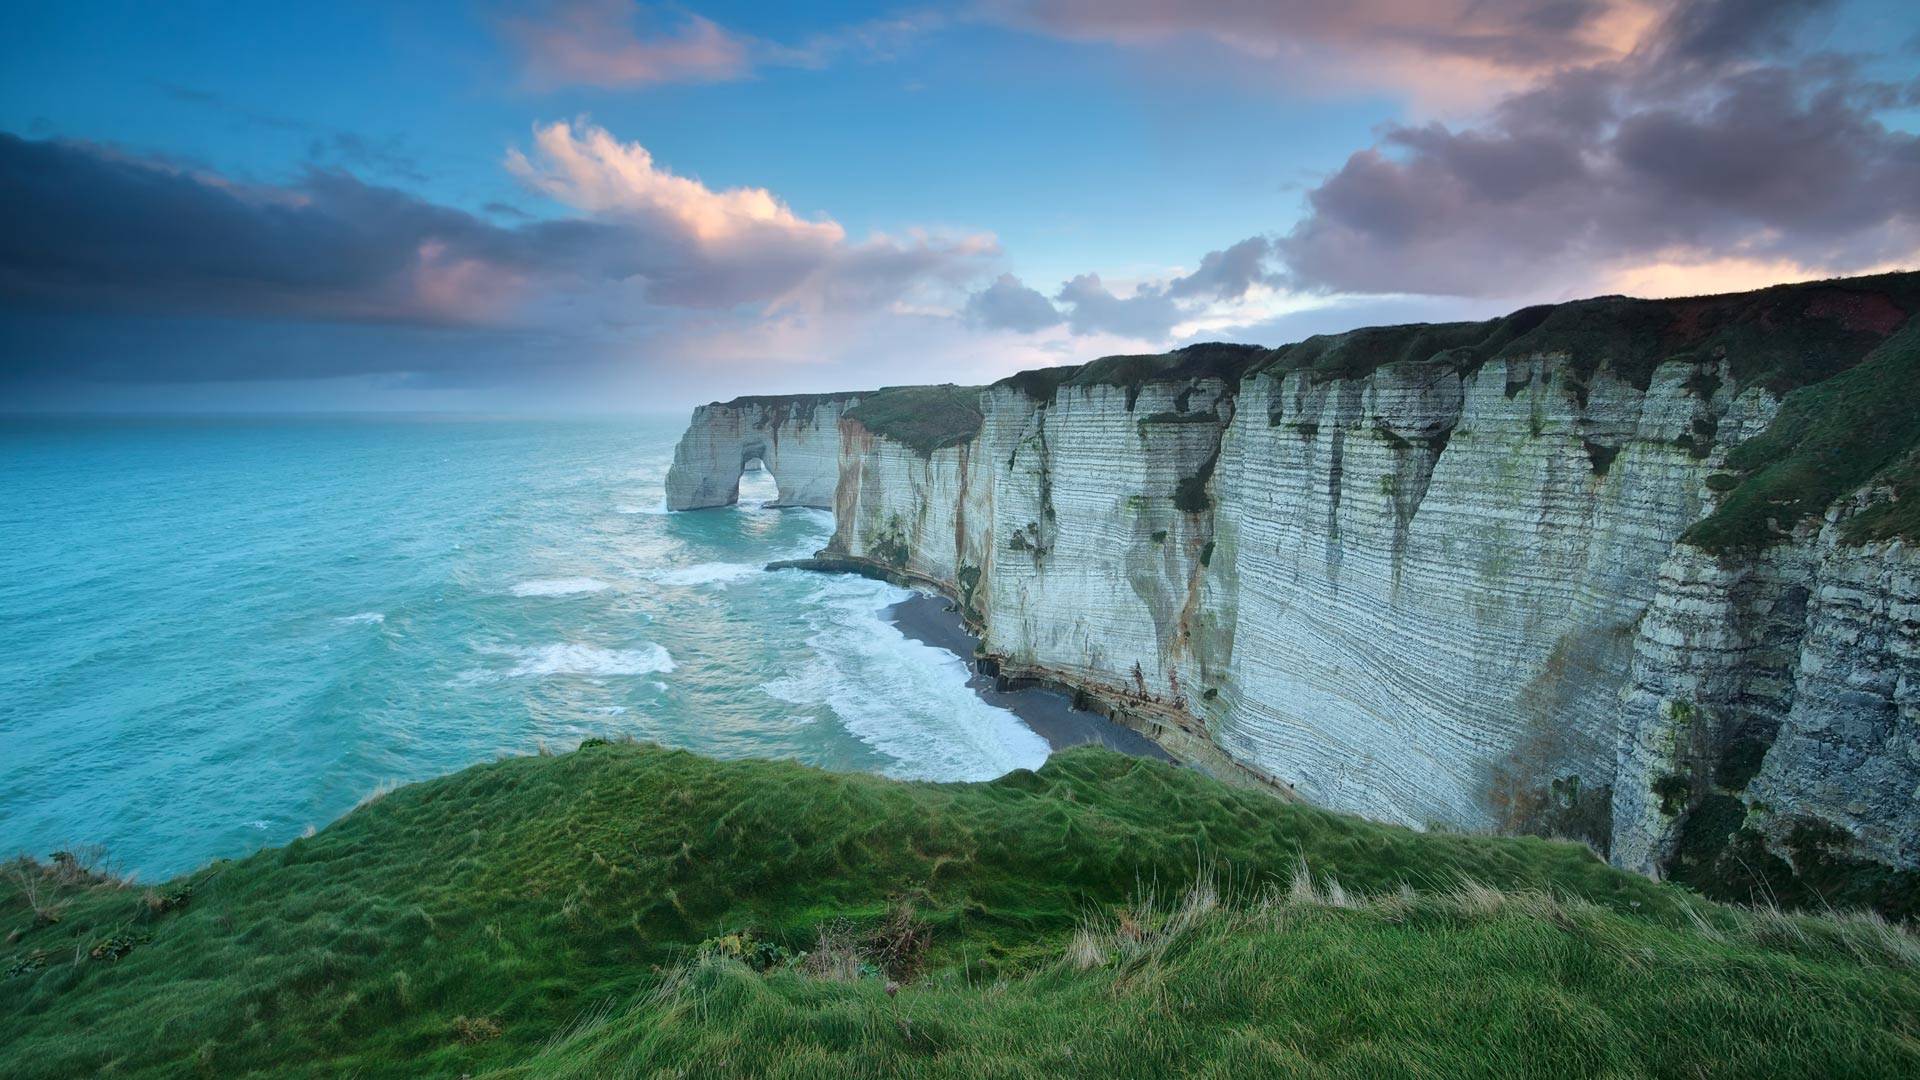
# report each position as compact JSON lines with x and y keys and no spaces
{"x":1434,"y":585}
{"x":796,"y":436}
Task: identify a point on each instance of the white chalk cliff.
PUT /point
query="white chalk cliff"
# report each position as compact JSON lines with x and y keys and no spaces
{"x":1426,"y":585}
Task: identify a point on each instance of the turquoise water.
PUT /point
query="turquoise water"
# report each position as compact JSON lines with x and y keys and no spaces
{"x":217,"y":635}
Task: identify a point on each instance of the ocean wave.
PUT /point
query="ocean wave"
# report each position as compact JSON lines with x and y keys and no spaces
{"x":568,"y":658}
{"x":559,"y":586}
{"x":363,"y":617}
{"x":908,"y":700}
{"x":629,"y":508}
{"x":708,"y":573}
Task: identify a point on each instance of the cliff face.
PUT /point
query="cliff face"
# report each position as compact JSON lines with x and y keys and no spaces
{"x":1434,"y":587}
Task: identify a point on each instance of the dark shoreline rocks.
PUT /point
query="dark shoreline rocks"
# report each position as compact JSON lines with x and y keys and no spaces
{"x":933,"y":620}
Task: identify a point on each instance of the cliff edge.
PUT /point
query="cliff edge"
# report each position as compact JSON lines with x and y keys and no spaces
{"x":1638,"y":572}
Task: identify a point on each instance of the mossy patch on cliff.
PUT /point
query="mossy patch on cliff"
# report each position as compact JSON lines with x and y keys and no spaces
{"x":925,"y":418}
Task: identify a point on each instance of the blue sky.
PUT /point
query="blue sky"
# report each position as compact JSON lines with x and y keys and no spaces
{"x":266,"y":207}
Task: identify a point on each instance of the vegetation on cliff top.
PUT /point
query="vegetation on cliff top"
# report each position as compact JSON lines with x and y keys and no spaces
{"x":1828,"y":440}
{"x":926,"y":418}
{"x":1215,"y":360}
{"x":626,"y":909}
{"x":788,"y":401}
{"x":1781,"y":337}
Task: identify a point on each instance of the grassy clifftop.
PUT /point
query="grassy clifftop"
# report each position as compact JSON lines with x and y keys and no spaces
{"x":626,"y":909}
{"x":1782,"y":337}
{"x":926,"y":418}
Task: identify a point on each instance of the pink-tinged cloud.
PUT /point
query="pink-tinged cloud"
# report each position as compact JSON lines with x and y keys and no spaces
{"x":699,"y":247}
{"x":598,"y":43}
{"x":1448,"y":50}
{"x":588,"y":169}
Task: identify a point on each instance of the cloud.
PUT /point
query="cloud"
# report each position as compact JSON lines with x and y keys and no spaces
{"x":1008,"y":304}
{"x":1713,"y":141}
{"x":91,"y":236}
{"x":618,"y":44}
{"x":1437,"y":47}
{"x":596,"y":43}
{"x":1228,"y":274}
{"x":698,"y":247}
{"x":85,"y":228}
{"x":1150,"y":311}
{"x":694,"y":246}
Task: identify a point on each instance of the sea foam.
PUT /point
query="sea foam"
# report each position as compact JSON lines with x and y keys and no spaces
{"x":908,"y":700}
{"x":569,"y":658}
{"x":708,"y":573}
{"x":559,"y":586}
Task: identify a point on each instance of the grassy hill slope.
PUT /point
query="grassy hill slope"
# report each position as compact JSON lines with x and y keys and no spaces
{"x":626,"y":909}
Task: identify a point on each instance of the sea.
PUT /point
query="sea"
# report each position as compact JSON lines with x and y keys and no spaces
{"x":219,"y":634}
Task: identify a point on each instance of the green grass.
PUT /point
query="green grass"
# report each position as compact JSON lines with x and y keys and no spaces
{"x":790,"y":402}
{"x":546,"y":916}
{"x":926,"y":418}
{"x":1312,"y":980}
{"x":1828,"y":440}
{"x":1207,"y":360}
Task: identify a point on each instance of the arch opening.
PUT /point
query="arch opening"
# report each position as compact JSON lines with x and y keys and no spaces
{"x":757,"y":486}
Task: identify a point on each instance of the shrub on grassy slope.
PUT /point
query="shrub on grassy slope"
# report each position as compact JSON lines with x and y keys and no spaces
{"x":460,"y":924}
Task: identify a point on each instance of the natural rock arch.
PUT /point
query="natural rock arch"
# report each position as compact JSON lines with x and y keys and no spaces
{"x":797,"y":439}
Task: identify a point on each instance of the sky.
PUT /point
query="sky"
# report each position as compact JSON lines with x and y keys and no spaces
{"x":608,"y":206}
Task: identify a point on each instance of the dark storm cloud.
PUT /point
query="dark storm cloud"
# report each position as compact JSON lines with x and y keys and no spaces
{"x":87,"y":232}
{"x":83,"y":228}
{"x":1711,"y":140}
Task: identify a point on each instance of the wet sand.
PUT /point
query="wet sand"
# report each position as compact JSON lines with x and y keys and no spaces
{"x":1050,"y":713}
